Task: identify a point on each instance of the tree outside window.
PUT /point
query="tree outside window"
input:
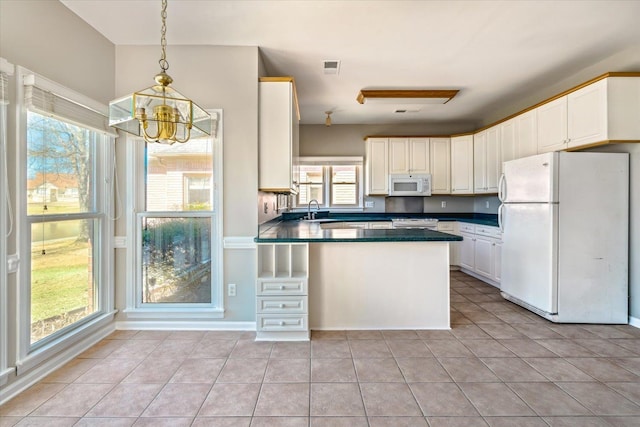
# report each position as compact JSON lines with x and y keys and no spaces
{"x":61,"y":210}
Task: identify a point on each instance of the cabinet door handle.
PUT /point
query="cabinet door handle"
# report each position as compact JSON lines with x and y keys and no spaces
{"x":282,"y":287}
{"x":282,"y":305}
{"x":282,"y":323}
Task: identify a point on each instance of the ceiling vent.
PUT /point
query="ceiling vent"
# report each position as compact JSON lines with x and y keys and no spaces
{"x":331,"y":66}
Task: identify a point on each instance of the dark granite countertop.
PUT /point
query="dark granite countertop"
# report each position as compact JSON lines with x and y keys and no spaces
{"x":289,"y":228}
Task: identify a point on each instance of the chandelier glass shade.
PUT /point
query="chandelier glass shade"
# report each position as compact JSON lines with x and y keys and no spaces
{"x":160,"y":113}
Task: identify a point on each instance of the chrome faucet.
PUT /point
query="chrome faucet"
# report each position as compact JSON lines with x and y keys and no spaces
{"x":309,"y":215}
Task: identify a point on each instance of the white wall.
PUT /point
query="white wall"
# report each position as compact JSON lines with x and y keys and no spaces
{"x":348,"y":140}
{"x":49,"y":39}
{"x":214,"y":77}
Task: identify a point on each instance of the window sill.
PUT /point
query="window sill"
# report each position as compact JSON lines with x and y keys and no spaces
{"x":174,"y":313}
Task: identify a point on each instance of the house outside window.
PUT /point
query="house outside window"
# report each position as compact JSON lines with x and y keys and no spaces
{"x":335,"y":182}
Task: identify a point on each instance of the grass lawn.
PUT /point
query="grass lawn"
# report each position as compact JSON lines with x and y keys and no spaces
{"x":59,"y":279}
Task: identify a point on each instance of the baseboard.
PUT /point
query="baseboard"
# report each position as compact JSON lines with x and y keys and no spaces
{"x":634,"y":321}
{"x":22,"y":382}
{"x":184,"y":326}
{"x":479,"y":277}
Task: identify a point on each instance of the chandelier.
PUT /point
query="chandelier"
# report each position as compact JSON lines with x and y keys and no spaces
{"x":160,"y":113}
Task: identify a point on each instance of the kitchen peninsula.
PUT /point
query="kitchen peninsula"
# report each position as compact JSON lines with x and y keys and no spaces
{"x":330,"y":274}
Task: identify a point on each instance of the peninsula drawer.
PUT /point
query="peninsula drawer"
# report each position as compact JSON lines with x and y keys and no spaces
{"x":468,"y":228}
{"x":282,"y":305}
{"x":281,"y":287}
{"x":274,"y":322}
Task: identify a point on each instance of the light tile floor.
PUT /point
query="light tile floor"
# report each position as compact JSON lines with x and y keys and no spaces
{"x":499,"y":366}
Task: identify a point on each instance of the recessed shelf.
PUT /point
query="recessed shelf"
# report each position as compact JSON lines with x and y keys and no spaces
{"x":282,"y":260}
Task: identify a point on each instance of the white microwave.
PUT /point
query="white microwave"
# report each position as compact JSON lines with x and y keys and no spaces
{"x":410,"y":185}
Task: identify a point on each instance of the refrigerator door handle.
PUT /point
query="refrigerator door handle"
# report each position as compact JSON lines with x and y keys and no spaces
{"x":502,"y":188}
{"x":500,"y":223}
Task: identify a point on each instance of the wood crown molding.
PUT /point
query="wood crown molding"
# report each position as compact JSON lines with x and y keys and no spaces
{"x":533,"y":107}
{"x":411,"y":94}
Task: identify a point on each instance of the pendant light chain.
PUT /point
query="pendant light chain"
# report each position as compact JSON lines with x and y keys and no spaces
{"x":164,"y":64}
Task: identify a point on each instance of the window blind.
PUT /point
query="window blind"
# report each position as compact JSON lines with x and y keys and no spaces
{"x":49,"y":103}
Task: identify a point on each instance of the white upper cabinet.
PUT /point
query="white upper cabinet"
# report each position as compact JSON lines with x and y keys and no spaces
{"x":409,"y":155}
{"x":603,"y":111}
{"x":398,"y":155}
{"x":526,"y":134}
{"x":493,"y":159}
{"x":419,"y":155}
{"x":587,"y":114}
{"x":440,"y":165}
{"x":462,"y":164}
{"x":552,"y":126}
{"x":508,"y":141}
{"x":480,"y":162}
{"x":486,"y":160}
{"x":377,"y":167}
{"x":278,"y":135}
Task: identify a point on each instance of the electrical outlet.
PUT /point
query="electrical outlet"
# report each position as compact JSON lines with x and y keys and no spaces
{"x":368,"y":204}
{"x":443,"y":204}
{"x":231,"y":289}
{"x":486,"y":204}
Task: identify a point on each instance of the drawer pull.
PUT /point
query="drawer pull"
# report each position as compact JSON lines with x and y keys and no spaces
{"x":281,"y":305}
{"x":282,"y":287}
{"x":282,"y":323}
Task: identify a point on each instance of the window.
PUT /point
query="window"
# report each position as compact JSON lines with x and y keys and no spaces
{"x":311,"y":184}
{"x":333,"y":182}
{"x":176,"y":267}
{"x":67,"y":153}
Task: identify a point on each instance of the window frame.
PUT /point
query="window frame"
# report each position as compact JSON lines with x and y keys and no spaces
{"x":135,"y":309}
{"x":327,"y":164}
{"x":29,"y":355}
{"x":7,"y":70}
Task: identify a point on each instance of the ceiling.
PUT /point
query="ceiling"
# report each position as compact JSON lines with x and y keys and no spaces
{"x":492,"y":51}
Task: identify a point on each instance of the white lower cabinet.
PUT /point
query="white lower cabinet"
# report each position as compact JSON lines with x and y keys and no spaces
{"x":282,"y":311}
{"x":483,"y":256}
{"x":481,"y":252}
{"x":451,"y":227}
{"x":467,"y":251}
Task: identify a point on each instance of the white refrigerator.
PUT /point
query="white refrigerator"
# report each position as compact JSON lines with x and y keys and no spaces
{"x":565,"y":223}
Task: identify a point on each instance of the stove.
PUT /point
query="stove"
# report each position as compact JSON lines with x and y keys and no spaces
{"x":428,"y":223}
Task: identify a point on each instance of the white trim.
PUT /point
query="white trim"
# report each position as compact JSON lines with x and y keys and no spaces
{"x":4,"y":375}
{"x":239,"y":242}
{"x":27,"y":380}
{"x":41,"y":355}
{"x":331,"y":160}
{"x":634,"y":321}
{"x":5,"y":371}
{"x":177,"y":313}
{"x":186,"y":326}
